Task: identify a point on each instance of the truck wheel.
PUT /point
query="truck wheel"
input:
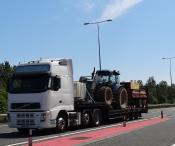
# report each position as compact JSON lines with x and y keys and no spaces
{"x":23,"y":130}
{"x":97,"y":117}
{"x":86,"y":119}
{"x":105,"y":95}
{"x":61,"y":123}
{"x":144,"y":103}
{"x":122,"y":98}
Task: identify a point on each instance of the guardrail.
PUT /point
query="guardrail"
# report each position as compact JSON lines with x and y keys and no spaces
{"x":153,"y":106}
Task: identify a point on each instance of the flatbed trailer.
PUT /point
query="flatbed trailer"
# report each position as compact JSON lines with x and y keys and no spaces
{"x":108,"y":113}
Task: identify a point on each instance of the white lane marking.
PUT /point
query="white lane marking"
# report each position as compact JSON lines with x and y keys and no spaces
{"x":17,"y":144}
{"x":173,"y":145}
{"x":78,"y":132}
{"x":3,"y":125}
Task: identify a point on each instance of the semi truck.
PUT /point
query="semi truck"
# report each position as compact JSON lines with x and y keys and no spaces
{"x":42,"y":94}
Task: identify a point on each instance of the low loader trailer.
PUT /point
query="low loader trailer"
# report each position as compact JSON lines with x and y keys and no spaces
{"x":42,"y":94}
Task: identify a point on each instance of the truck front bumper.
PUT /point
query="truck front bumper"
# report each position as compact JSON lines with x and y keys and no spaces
{"x":34,"y":120}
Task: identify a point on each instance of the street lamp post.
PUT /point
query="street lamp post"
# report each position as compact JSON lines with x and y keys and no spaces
{"x":98,"y":31}
{"x":170,"y":58}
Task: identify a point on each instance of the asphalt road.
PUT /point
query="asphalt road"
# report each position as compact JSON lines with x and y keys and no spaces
{"x":162,"y":134}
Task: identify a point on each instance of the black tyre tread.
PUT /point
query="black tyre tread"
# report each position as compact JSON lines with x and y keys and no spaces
{"x":104,"y":94}
{"x":97,"y":117}
{"x":121,"y":98}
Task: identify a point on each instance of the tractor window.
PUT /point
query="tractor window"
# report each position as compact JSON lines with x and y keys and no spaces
{"x":102,"y":78}
{"x":113,"y":79}
{"x":117,"y":79}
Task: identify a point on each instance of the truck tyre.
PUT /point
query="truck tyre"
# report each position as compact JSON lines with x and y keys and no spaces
{"x":61,"y":123}
{"x":121,"y":98}
{"x":97,"y":117}
{"x":105,"y":95}
{"x":85,"y":119}
{"x":144,"y":103}
{"x":23,"y":130}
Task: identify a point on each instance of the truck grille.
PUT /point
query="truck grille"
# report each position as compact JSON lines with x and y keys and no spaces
{"x":25,"y":106}
{"x":25,"y":119}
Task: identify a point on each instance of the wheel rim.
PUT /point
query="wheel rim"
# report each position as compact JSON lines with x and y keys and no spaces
{"x":96,"y":119}
{"x":61,"y":123}
{"x":123,"y":98}
{"x":86,"y":118}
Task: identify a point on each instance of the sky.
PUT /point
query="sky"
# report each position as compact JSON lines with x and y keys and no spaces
{"x":141,"y":33}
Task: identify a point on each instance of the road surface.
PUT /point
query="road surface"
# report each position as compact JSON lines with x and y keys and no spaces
{"x":159,"y":134}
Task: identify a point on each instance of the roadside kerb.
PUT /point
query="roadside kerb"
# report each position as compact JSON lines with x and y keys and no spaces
{"x":3,"y":118}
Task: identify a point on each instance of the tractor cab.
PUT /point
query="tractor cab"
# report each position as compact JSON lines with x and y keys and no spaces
{"x":106,"y":77}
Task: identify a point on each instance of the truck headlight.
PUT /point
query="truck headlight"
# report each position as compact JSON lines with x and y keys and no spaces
{"x":44,"y":116}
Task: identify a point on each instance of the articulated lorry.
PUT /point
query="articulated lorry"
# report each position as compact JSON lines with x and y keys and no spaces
{"x":42,"y":94}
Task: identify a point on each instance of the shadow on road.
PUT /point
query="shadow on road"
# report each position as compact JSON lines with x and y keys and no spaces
{"x":35,"y":133}
{"x":12,"y":135}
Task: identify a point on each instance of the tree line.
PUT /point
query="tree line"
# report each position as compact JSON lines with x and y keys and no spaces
{"x":157,"y":93}
{"x":161,"y":92}
{"x":6,"y":71}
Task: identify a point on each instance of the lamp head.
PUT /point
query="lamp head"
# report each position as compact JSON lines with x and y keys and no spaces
{"x":109,"y":20}
{"x":86,"y":23}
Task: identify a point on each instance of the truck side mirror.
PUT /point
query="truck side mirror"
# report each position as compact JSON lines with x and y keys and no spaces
{"x":56,"y":83}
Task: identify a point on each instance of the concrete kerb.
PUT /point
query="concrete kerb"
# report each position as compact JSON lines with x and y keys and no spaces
{"x":3,"y":118}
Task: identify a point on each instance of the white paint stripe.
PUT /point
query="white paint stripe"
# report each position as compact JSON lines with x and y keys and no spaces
{"x":17,"y":144}
{"x":73,"y":133}
{"x":173,"y":145}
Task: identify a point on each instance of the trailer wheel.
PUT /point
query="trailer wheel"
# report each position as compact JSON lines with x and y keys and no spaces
{"x":144,"y":103}
{"x":105,"y":95}
{"x":61,"y":123}
{"x":86,"y":119}
{"x":97,"y":117}
{"x":122,"y":98}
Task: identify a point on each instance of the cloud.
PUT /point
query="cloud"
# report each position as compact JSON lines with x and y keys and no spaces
{"x":116,"y":8}
{"x":88,"y":5}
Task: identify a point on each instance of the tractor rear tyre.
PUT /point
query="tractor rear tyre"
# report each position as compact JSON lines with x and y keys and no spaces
{"x":122,"y":98}
{"x":105,"y":95}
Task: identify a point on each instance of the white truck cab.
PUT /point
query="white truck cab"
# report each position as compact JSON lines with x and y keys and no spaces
{"x":38,"y":92}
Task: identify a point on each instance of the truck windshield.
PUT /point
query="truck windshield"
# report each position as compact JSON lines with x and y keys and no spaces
{"x":28,"y":84}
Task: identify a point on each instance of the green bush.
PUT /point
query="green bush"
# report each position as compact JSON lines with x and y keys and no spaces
{"x":3,"y":104}
{"x":5,"y":72}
